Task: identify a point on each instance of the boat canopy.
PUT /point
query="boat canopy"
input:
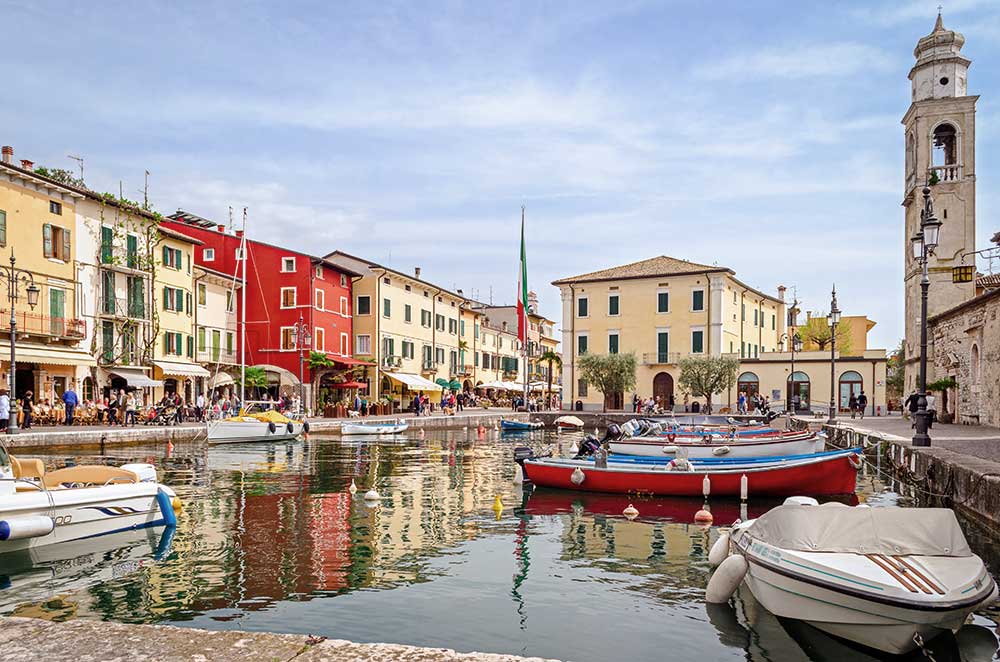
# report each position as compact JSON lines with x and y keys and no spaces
{"x":834,"y":527}
{"x":413,"y":382}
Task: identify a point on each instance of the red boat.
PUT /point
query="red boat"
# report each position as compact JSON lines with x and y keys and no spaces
{"x":827,"y":474}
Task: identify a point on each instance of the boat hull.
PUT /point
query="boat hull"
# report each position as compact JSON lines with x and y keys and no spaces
{"x":234,"y":432}
{"x":825,"y":476}
{"x":518,"y":426}
{"x":356,"y":428}
{"x":660,"y":447}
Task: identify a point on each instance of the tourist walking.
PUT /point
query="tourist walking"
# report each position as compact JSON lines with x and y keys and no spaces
{"x":852,"y":404}
{"x":741,"y":403}
{"x":4,"y":410}
{"x":28,"y":408}
{"x":70,"y":400}
{"x":862,"y":403}
{"x":130,"y":409}
{"x":199,"y":408}
{"x":114,"y":404}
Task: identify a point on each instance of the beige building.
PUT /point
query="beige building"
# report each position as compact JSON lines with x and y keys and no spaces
{"x":662,"y":309}
{"x":215,"y":325}
{"x":541,"y":335}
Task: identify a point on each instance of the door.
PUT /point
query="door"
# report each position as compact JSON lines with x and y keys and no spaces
{"x":850,"y":384}
{"x":663,"y":389}
{"x":614,"y":400}
{"x":57,"y":312}
{"x":798,"y":391}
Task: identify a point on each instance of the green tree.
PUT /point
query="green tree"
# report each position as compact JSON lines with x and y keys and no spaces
{"x":318,"y":363}
{"x":895,"y":373}
{"x":609,"y":373}
{"x":255,"y":379}
{"x":552,"y":358}
{"x":704,"y":376}
{"x":815,"y":334}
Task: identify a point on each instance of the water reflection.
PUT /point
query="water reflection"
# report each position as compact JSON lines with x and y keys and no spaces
{"x":270,"y":538}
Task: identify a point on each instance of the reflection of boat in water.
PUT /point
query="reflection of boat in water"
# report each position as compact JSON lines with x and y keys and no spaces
{"x":36,"y":574}
{"x":374,"y":428}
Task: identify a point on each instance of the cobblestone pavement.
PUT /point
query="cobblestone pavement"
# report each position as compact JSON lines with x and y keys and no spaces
{"x":975,"y":440}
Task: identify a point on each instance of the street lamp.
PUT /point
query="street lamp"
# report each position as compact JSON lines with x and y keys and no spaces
{"x":924,"y":243}
{"x":795,"y":343}
{"x":832,"y":319}
{"x":15,"y":279}
{"x":303,"y":340}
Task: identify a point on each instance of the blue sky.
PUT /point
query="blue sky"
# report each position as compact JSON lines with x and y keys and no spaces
{"x":763,"y":136}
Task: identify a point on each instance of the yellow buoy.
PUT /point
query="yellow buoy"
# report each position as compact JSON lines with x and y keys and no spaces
{"x":177,"y":504}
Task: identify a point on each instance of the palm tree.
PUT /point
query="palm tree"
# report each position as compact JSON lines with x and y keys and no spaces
{"x":256,"y":378}
{"x":551,"y":358}
{"x":317,"y":362}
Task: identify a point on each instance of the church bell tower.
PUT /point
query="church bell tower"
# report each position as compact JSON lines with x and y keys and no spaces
{"x":940,"y":136}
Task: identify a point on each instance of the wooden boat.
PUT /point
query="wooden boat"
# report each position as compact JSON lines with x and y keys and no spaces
{"x":831,"y":473}
{"x":519,"y":425}
{"x":885,"y":578}
{"x":800,"y":443}
{"x":376,"y":428}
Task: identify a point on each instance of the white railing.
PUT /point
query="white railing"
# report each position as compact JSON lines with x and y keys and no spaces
{"x":946,"y":173}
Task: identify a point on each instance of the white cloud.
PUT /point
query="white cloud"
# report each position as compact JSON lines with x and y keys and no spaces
{"x":804,"y":61}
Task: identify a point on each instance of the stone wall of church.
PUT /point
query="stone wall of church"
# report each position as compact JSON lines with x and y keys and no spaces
{"x":966,"y":344}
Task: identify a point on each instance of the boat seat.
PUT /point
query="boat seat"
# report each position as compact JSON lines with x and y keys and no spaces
{"x":27,"y":468}
{"x":89,"y":475}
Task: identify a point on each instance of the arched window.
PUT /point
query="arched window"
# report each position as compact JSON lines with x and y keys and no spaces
{"x":944,"y":145}
{"x":88,"y":388}
{"x":798,"y":390}
{"x":974,"y":364}
{"x":851,"y":383}
{"x":910,"y":161}
{"x":748,"y":384}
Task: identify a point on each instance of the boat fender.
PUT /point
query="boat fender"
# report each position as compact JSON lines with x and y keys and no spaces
{"x":518,"y":475}
{"x":726,"y":579}
{"x":289,"y":427}
{"x":166,"y":503}
{"x":577,"y":477}
{"x":305,"y":426}
{"x":680,"y":464}
{"x":630,"y":512}
{"x":855,"y":461}
{"x":670,"y":450}
{"x":800,"y":501}
{"x":30,"y":526}
{"x":372,"y":495}
{"x":721,"y":450}
{"x":271,"y":427}
{"x":719,"y":551}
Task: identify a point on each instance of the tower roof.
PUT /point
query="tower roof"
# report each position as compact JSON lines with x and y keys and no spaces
{"x":939,"y":44}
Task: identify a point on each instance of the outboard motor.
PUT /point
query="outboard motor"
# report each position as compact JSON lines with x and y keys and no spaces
{"x":522,"y":453}
{"x":589,"y":446}
{"x":614,"y":432}
{"x":771,"y":415}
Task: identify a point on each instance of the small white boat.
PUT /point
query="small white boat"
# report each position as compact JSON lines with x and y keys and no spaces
{"x":797,"y":444}
{"x":259,"y":426}
{"x":375,"y":428}
{"x":42,"y":508}
{"x":569,"y":423}
{"x":885,"y":578}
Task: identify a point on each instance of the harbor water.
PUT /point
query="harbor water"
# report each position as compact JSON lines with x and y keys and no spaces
{"x":271,"y":538}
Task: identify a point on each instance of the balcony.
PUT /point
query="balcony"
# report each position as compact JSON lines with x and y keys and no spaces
{"x":661,"y":358}
{"x":34,"y":324}
{"x":392,"y":362}
{"x":216,"y":355}
{"x":945,"y":173}
{"x":122,"y":308}
{"x":463,"y":370}
{"x":428,"y":365}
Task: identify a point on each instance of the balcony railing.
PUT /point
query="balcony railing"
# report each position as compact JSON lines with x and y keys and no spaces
{"x":118,"y":307}
{"x":34,"y":324}
{"x":661,"y":358}
{"x":392,"y":362}
{"x":946,"y":173}
{"x":216,"y":355}
{"x":465,"y":370}
{"x":428,"y":365}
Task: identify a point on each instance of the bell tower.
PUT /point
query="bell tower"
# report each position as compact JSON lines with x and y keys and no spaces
{"x":940,"y":135}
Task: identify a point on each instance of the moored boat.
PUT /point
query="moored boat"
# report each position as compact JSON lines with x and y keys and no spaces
{"x":258,"y":426}
{"x":786,"y":444}
{"x":42,"y":508}
{"x":886,"y":578}
{"x":569,"y":423}
{"x":520,"y":425}
{"x":831,"y":473}
{"x":375,"y":428}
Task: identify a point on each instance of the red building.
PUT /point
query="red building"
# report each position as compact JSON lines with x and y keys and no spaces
{"x":283,"y":288}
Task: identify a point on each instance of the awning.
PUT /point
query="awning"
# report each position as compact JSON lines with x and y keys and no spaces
{"x":413,"y":382}
{"x":172,"y":369}
{"x":135,"y":378}
{"x":349,"y":385}
{"x":543,"y":386}
{"x":220,"y":379}
{"x":346,"y":360}
{"x":52,"y":355}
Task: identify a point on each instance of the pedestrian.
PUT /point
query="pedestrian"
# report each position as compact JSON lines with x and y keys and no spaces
{"x":931,"y":410}
{"x":741,"y":403}
{"x":415,"y":404}
{"x":28,"y":407}
{"x":70,"y":400}
{"x":130,"y":409}
{"x":852,"y":404}
{"x":912,"y":406}
{"x":114,"y":404}
{"x":199,"y":408}
{"x":4,"y":410}
{"x":862,"y":404}
{"x":635,"y":403}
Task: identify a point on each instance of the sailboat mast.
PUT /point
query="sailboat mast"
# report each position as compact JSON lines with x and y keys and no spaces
{"x":243,"y":314}
{"x":522,"y":294}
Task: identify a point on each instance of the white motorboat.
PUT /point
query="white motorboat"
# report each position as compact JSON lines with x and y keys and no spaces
{"x":389,"y":427}
{"x":793,"y":444}
{"x":236,"y":429}
{"x":43,"y":508}
{"x":886,"y":578}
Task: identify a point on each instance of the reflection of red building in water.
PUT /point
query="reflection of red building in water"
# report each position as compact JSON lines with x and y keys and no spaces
{"x":282,"y":287}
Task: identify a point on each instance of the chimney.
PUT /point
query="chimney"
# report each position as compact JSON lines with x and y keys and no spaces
{"x":8,"y":154}
{"x":416,"y":272}
{"x":503,"y":326}
{"x":460,"y":293}
{"x":27,"y":165}
{"x":239,"y":233}
{"x":221,"y":228}
{"x":781,"y":292}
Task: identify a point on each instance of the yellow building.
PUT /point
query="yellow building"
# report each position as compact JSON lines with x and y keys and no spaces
{"x":38,"y":228}
{"x":661,"y":309}
{"x":417,"y":335}
{"x":174,"y":360}
{"x":541,"y":335}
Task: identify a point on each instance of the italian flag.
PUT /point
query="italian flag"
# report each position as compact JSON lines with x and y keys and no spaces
{"x":522,"y":293}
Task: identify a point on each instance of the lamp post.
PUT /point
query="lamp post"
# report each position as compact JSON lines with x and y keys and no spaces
{"x":15,"y":279}
{"x":924,"y":243}
{"x":303,"y":340}
{"x":795,"y":343}
{"x":832,"y":320}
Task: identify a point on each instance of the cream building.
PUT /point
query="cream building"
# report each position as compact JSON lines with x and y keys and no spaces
{"x":661,"y":309}
{"x":541,"y":335}
{"x":38,"y":228}
{"x":215,"y":325}
{"x":174,"y":362}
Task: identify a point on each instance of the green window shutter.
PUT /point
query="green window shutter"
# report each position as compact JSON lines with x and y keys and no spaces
{"x":166,"y":256}
{"x":132,"y":251}
{"x":107,"y":240}
{"x":190,"y":347}
{"x":166,"y":295}
{"x":178,"y":343}
{"x":187,"y":298}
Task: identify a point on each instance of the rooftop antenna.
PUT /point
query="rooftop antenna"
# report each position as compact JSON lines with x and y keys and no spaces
{"x":491,"y":295}
{"x":79,"y":161}
{"x":230,"y":219}
{"x":145,"y":191}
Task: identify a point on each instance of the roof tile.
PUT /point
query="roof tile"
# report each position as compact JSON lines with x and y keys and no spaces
{"x":662,"y":265}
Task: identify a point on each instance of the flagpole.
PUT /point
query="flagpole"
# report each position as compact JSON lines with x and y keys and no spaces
{"x":522,"y":322}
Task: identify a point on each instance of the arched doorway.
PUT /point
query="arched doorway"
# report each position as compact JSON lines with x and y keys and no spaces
{"x":748,"y":384}
{"x":798,"y":391}
{"x":663,"y":389}
{"x":851,"y":383}
{"x":614,"y":400}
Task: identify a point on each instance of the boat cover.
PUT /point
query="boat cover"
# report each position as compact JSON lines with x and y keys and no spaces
{"x":834,"y":527}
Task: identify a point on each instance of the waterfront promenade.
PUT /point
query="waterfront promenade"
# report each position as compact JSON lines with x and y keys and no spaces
{"x":29,"y":639}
